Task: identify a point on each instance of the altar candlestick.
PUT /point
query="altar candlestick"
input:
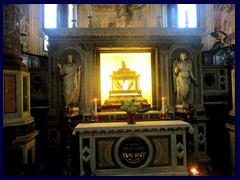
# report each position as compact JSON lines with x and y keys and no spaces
{"x":163,"y":105}
{"x":95,"y":107}
{"x":74,"y":12}
{"x":89,"y":10}
{"x":186,"y":16}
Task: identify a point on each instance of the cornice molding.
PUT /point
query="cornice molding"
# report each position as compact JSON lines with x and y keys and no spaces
{"x":125,"y":32}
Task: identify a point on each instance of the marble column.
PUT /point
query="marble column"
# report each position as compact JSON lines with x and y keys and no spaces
{"x":11,"y":37}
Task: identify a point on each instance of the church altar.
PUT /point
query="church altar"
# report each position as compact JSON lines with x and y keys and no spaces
{"x":144,"y":148}
{"x":88,"y":46}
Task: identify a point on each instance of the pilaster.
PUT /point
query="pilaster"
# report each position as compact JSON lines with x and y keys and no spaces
{"x":16,"y":80}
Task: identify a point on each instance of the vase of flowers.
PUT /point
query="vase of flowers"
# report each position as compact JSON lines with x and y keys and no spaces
{"x":131,"y":108}
{"x":131,"y":118}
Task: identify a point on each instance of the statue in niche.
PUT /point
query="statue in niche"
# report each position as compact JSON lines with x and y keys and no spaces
{"x":183,"y":76}
{"x":70,"y":73}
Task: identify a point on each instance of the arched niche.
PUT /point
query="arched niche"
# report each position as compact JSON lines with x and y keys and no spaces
{"x":174,"y":54}
{"x":78,"y":58}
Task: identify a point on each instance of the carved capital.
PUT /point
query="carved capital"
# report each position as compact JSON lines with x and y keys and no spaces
{"x":87,"y":47}
{"x":164,"y":47}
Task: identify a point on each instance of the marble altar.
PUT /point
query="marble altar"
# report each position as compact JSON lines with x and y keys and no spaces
{"x":144,"y":148}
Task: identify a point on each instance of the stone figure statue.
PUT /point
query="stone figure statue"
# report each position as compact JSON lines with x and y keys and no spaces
{"x":183,"y":76}
{"x":70,"y":73}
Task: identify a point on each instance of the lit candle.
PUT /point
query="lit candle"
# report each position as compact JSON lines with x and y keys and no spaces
{"x":163,"y":105}
{"x":186,"y":16}
{"x":95,"y":107}
{"x":89,"y":10}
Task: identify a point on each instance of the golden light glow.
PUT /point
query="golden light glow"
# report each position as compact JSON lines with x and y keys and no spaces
{"x":194,"y":171}
{"x":139,"y":62}
{"x":125,"y":85}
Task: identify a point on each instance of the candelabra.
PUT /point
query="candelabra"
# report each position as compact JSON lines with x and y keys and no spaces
{"x":90,"y":21}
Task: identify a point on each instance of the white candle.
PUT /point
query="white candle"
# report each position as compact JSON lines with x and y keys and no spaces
{"x":186,"y":16}
{"x":74,"y":13}
{"x":58,"y":17}
{"x":173,"y":14}
{"x":89,"y":10}
{"x":163,"y":105}
{"x":95,"y":107}
{"x":157,"y":10}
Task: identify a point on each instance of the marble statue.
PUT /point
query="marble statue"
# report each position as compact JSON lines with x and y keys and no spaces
{"x":70,"y":73}
{"x":183,"y":76}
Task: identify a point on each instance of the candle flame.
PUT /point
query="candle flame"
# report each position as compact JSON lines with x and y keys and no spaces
{"x":194,"y":171}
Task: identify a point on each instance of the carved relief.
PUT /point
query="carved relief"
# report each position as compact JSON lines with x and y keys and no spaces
{"x":131,"y":15}
{"x":119,"y":15}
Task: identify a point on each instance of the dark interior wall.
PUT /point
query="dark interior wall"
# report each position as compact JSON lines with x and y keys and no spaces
{"x":218,"y":142}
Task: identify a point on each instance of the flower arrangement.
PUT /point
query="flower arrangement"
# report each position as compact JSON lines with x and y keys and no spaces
{"x":131,"y":107}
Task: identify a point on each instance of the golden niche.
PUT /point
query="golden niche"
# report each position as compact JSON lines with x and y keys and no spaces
{"x":125,"y":86}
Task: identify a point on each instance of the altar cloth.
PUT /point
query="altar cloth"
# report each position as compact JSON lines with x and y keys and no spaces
{"x":88,"y":128}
